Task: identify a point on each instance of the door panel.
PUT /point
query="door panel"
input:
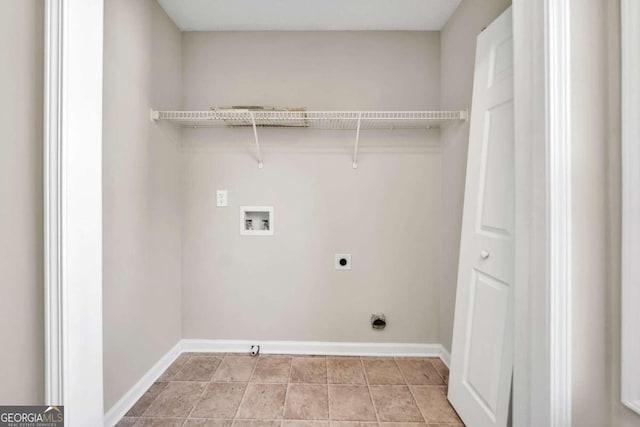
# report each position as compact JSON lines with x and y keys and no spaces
{"x":495,"y":196}
{"x":501,"y":67}
{"x":483,"y":358}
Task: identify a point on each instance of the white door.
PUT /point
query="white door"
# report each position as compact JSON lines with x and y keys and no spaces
{"x":482,"y":349}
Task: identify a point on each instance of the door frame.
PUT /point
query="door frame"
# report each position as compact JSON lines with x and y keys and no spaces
{"x":73,"y":211}
{"x":542,"y":363}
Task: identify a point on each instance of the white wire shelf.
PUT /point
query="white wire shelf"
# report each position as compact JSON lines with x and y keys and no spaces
{"x":311,"y":119}
{"x":354,"y":120}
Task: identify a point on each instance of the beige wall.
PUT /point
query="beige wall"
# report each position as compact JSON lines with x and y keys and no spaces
{"x":318,"y":70}
{"x":596,"y":180}
{"x":142,"y":203}
{"x":21,"y":266}
{"x":386,"y":213}
{"x":458,"y":47}
{"x":596,"y":320}
{"x":622,"y":416}
{"x":591,"y":291}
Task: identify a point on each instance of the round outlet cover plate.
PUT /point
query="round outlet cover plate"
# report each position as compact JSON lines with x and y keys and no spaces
{"x":343,"y":261}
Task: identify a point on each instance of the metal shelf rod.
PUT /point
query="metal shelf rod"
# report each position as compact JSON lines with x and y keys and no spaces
{"x":255,"y":135}
{"x":355,"y":149}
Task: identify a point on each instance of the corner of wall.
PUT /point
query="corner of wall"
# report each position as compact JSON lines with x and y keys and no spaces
{"x":142,"y":192}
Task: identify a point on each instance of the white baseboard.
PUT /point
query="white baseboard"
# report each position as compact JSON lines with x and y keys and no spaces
{"x":267,"y":347}
{"x":445,"y":356}
{"x":127,"y":401}
{"x":313,"y":347}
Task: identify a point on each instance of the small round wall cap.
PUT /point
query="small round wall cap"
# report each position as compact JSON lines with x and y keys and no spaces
{"x":343,"y":262}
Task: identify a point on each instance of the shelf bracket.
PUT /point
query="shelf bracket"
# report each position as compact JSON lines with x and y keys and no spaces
{"x":255,"y":135}
{"x":355,"y":149}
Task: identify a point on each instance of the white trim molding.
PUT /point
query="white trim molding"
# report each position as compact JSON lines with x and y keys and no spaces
{"x":558,"y":119}
{"x":73,"y":209}
{"x":313,"y":347}
{"x":445,"y":356}
{"x":542,"y":78}
{"x":630,"y":295}
{"x":53,"y":170}
{"x":129,"y":399}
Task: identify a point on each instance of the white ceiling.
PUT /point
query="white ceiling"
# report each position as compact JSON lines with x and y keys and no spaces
{"x":309,"y":15}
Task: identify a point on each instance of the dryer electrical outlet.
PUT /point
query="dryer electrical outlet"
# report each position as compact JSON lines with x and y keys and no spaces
{"x":343,"y":261}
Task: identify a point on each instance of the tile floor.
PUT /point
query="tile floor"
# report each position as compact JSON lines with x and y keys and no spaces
{"x":221,"y":390}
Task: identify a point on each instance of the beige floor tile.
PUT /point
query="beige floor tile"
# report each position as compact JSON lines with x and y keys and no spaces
{"x":195,"y":422}
{"x":147,"y":398}
{"x":350,"y":403}
{"x":176,"y":400}
{"x":204,"y":354}
{"x":304,"y":423}
{"x":198,"y":368}
{"x":292,"y":391}
{"x":433,"y":403}
{"x":345,"y":370}
{"x":127,"y":422}
{"x":306,"y":402}
{"x":419,"y":371}
{"x":235,"y":368}
{"x":220,"y":400}
{"x":174,"y":368}
{"x":403,"y":425}
{"x":442,"y":369}
{"x":159,"y":422}
{"x":256,"y":423}
{"x":263,"y":401}
{"x":382,"y":371}
{"x":272,"y":369}
{"x":352,"y":424}
{"x":309,"y":370}
{"x":395,"y":403}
